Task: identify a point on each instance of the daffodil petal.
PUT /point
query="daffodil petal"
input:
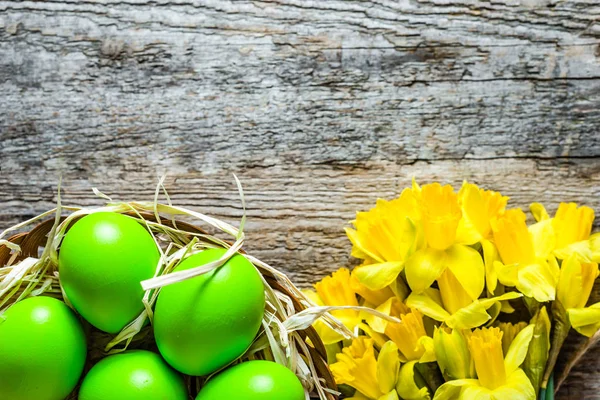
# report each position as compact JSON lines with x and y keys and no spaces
{"x":475,"y":314}
{"x":539,"y":212}
{"x":508,"y":275}
{"x":360,"y":249}
{"x":581,"y":249}
{"x":518,"y":350}
{"x":473,"y":392}
{"x":390,"y":396}
{"x":428,"y":306}
{"x":359,"y":396}
{"x":451,"y":389}
{"x":379,"y":339}
{"x":487,"y":303}
{"x":570,"y":284}
{"x":313,"y":296}
{"x":537,"y":281}
{"x":406,"y":386}
{"x":544,"y":239}
{"x":429,"y":354}
{"x":423,"y":268}
{"x":452,"y":354}
{"x":466,"y":232}
{"x":378,"y":276}
{"x":490,"y":255}
{"x":388,"y":367}
{"x":327,"y":334}
{"x":506,"y":308}
{"x":585,"y":320}
{"x":518,"y":387}
{"x":466,"y":264}
{"x":376,"y":323}
{"x":471,"y":316}
{"x":415,"y":186}
{"x":400,"y":289}
{"x":554,"y":268}
{"x":595,"y":247}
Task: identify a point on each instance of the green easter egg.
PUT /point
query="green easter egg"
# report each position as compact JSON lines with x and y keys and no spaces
{"x":102,"y":260}
{"x":133,"y":375}
{"x":42,"y":350}
{"x":254,"y":380}
{"x":204,"y":323}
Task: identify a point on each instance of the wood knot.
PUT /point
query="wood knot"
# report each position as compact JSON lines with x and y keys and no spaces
{"x":112,"y":48}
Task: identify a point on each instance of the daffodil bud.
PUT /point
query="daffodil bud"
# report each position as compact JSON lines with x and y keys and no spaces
{"x":575,"y":282}
{"x":452,"y":354}
{"x":411,"y":384}
{"x":572,"y":224}
{"x":537,"y":355}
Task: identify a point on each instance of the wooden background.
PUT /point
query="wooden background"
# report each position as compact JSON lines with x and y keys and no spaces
{"x":319,"y":107}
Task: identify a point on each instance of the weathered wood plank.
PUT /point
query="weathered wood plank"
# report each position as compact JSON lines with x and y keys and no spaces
{"x":318,"y":106}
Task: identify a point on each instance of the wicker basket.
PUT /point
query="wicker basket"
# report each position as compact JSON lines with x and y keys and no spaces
{"x":31,"y":242}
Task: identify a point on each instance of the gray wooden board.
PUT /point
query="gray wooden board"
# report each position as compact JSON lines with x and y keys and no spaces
{"x":319,"y":107}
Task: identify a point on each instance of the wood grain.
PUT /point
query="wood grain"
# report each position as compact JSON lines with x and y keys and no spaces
{"x":319,"y":107}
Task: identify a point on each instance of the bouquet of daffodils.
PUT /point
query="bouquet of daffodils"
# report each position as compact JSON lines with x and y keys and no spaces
{"x":478,"y":303}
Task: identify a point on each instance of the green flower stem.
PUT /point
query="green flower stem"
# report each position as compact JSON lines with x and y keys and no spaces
{"x":548,"y":393}
{"x":561,"y":330}
{"x":533,"y":306}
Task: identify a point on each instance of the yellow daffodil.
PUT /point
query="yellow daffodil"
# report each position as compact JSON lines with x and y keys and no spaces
{"x":525,"y":265}
{"x":479,"y":208}
{"x":383,"y":238}
{"x":585,"y":320}
{"x":409,"y":335}
{"x":335,"y":290}
{"x":412,"y":342}
{"x":572,"y":226}
{"x":573,"y":291}
{"x":575,"y":282}
{"x":498,"y":376}
{"x":441,"y":214}
{"x":415,"y":348}
{"x":452,"y":354}
{"x":373,"y":377}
